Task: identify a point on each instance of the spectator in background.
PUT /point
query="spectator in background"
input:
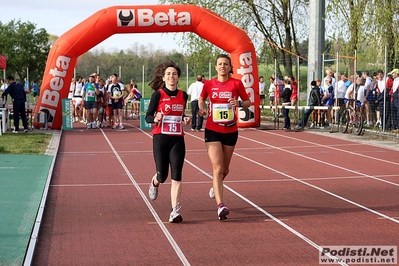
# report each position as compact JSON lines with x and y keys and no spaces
{"x":347,"y":81}
{"x":349,"y":94}
{"x":381,"y":82}
{"x":286,"y":101}
{"x":262,"y":86}
{"x":316,"y":116}
{"x":330,"y":74}
{"x":35,"y":90}
{"x":27,"y":91}
{"x":2,"y":89}
{"x":101,"y":103}
{"x":71,"y":88}
{"x":18,"y":95}
{"x":294,"y":94}
{"x":279,"y":88}
{"x":115,"y":92}
{"x":194,"y":90}
{"x":134,"y":96}
{"x":360,"y":90}
{"x":3,"y":86}
{"x":388,"y":89}
{"x":328,"y":100}
{"x":98,"y":78}
{"x":368,"y":95}
{"x":374,"y":102}
{"x":340,"y":90}
{"x":395,"y":99}
{"x":108,"y":109}
{"x":89,"y":97}
{"x":272,"y":90}
{"x":77,"y":106}
{"x":314,"y":100}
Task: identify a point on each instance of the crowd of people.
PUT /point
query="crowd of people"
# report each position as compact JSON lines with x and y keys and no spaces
{"x":97,"y":101}
{"x":376,"y":97}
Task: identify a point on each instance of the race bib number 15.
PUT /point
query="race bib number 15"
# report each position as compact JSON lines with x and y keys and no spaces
{"x":172,"y":125}
{"x":223,"y":112}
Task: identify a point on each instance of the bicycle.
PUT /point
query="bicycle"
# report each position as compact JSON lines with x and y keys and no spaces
{"x":351,"y":116}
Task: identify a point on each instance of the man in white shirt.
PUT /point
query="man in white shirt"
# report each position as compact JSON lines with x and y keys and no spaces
{"x":340,"y":90}
{"x":195,"y":90}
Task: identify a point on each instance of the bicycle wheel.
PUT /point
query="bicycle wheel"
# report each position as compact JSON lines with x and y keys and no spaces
{"x":358,"y":123}
{"x":343,"y":121}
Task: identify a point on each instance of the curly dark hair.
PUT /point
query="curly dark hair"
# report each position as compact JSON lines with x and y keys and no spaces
{"x":157,"y":82}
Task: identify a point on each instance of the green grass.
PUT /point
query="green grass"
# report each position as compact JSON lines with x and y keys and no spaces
{"x":24,"y":143}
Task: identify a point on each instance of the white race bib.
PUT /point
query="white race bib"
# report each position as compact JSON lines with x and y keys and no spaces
{"x":222,"y":112}
{"x":172,"y":125}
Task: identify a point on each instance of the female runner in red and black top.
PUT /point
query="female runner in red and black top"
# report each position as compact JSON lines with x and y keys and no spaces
{"x":221,"y":130}
{"x":166,"y":111}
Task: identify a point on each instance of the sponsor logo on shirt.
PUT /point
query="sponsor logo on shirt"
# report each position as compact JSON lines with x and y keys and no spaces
{"x":225,"y":95}
{"x":177,"y":107}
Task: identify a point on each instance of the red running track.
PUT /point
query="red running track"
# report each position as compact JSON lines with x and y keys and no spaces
{"x":289,"y":194}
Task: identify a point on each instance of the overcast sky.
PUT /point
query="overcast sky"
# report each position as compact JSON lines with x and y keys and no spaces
{"x":59,"y":16}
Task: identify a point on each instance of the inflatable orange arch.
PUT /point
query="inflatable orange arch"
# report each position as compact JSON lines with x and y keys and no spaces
{"x":146,"y":19}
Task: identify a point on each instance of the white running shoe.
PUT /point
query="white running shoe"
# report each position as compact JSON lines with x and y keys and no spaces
{"x":121,"y":126}
{"x":115,"y":126}
{"x":211,"y":193}
{"x":153,"y":191}
{"x":175,"y":216}
{"x":223,"y":212}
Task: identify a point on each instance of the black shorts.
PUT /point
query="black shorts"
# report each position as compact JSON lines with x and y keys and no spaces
{"x":228,"y":139}
{"x":262,"y":96}
{"x":90,"y":105}
{"x":117,"y":105}
{"x":341,"y":102}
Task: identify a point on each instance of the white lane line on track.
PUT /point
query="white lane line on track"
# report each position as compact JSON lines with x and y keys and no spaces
{"x":293,"y":231}
{"x":272,"y":217}
{"x":171,"y":240}
{"x":337,"y":149}
{"x":316,"y":187}
{"x":330,"y":164}
{"x":226,"y":181}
